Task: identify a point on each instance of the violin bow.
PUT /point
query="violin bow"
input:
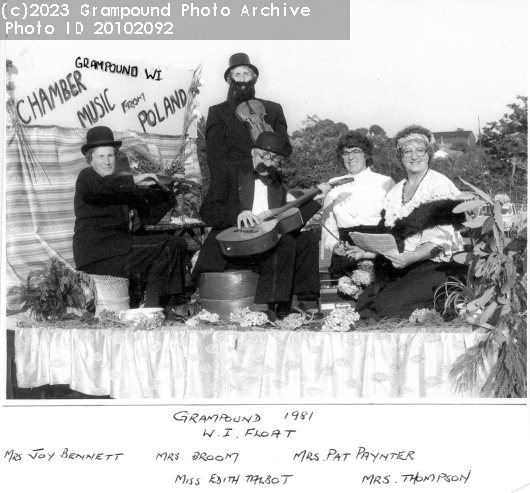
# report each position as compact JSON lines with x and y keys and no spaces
{"x":319,"y":221}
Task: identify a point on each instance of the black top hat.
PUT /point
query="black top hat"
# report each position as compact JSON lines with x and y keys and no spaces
{"x":100,"y":137}
{"x":273,"y":142}
{"x":237,"y":60}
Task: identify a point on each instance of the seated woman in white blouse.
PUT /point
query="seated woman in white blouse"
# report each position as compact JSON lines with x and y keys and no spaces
{"x":418,"y":212}
{"x":355,"y":206}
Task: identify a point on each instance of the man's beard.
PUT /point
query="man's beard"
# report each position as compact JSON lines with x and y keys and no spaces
{"x":241,"y":91}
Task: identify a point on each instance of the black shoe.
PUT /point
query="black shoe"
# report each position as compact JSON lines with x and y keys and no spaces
{"x":284,"y":309}
{"x":271,"y":315}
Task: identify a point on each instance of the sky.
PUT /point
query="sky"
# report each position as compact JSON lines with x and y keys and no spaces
{"x":442,"y":64}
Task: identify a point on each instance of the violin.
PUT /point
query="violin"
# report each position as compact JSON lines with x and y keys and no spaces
{"x":163,"y":179}
{"x":252,"y":113}
{"x":240,"y":242}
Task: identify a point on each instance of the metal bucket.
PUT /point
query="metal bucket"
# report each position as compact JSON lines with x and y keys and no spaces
{"x":224,"y":292}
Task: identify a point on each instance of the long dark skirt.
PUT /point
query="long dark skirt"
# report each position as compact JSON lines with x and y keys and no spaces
{"x":341,"y":266}
{"x":160,"y":257}
{"x":413,"y":288}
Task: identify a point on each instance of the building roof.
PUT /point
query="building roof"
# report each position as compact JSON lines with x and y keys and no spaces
{"x":443,"y":153}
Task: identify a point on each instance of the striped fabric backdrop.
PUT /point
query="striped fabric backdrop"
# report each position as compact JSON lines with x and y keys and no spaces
{"x":40,"y":186}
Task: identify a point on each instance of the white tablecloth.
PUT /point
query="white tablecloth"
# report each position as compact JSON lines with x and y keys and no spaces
{"x":182,"y":363}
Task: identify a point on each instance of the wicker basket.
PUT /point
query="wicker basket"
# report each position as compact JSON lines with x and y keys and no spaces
{"x":112,"y":293}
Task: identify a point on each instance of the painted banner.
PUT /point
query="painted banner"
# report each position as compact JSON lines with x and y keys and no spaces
{"x":82,"y":92}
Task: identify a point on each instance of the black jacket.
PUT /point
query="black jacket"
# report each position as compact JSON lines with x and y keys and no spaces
{"x":228,"y":139}
{"x":101,"y":205}
{"x":231,"y":192}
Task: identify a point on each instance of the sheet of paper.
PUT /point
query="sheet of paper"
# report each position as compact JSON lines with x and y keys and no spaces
{"x":383,"y":243}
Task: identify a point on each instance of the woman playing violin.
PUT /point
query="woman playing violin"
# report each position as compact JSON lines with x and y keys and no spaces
{"x":355,"y":206}
{"x":103,"y":243}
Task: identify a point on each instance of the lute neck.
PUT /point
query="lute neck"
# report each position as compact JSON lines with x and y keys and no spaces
{"x":304,"y":198}
{"x":296,"y":202}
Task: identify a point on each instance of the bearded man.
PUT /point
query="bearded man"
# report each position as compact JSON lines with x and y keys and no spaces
{"x":229,"y":140}
{"x":237,"y":195}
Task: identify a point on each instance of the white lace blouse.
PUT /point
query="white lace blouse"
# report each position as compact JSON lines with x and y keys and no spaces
{"x":358,"y":203}
{"x":434,"y":186}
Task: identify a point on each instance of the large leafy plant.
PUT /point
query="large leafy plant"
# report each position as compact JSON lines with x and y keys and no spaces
{"x":49,"y":293}
{"x":495,"y":299}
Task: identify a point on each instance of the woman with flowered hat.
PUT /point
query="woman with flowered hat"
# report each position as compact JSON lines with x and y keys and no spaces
{"x":418,"y":212}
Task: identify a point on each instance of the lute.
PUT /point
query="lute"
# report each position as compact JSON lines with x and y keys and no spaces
{"x":242,"y":242}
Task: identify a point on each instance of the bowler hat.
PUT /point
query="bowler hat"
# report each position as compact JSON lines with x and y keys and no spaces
{"x":100,"y":137}
{"x":273,"y":142}
{"x":237,"y":60}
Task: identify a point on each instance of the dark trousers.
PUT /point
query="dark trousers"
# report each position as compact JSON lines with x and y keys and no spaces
{"x":160,"y":257}
{"x":414,"y":288}
{"x":290,"y":268}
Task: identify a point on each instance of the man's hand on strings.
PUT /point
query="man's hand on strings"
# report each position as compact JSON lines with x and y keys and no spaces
{"x":247,"y":219}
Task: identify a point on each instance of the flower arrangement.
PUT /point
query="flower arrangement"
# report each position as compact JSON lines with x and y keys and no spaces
{"x":142,"y":321}
{"x":247,"y":318}
{"x":492,"y":297}
{"x":347,"y":288}
{"x":204,"y":316}
{"x":425,"y":316}
{"x":351,"y":287}
{"x":291,"y":322}
{"x":340,"y":320}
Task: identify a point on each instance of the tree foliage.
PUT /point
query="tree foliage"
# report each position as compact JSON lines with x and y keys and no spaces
{"x":313,"y":159}
{"x":481,"y":169}
{"x":460,"y":146}
{"x":506,"y":142}
{"x":378,"y":131}
{"x":508,"y":138}
{"x":314,"y":153}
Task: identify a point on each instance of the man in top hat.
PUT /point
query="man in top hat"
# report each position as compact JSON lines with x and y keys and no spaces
{"x":237,"y":195}
{"x":103,"y":244}
{"x":227,"y":138}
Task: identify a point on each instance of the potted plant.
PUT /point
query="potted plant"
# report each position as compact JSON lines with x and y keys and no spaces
{"x":494,"y":298}
{"x":53,"y":293}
